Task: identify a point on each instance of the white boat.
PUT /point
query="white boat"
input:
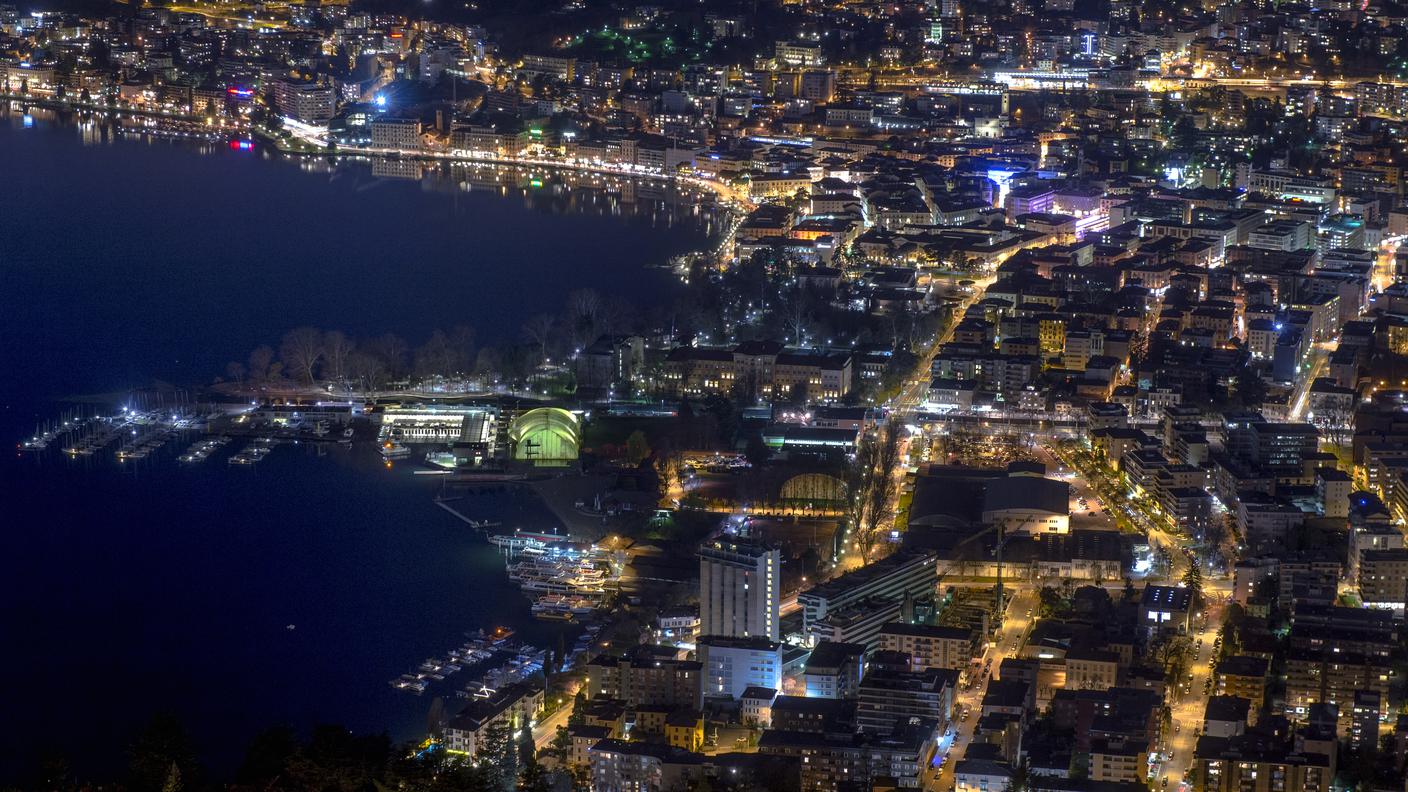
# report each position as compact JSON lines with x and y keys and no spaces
{"x":394,"y":450}
{"x":441,"y":459}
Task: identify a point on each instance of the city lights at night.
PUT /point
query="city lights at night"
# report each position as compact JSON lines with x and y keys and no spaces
{"x":787,"y":395}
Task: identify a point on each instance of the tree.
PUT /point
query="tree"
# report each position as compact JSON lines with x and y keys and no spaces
{"x":561,"y":743}
{"x":1193,"y":580}
{"x":583,"y":315}
{"x":859,"y":474}
{"x":637,"y":448}
{"x":461,"y":349}
{"x":337,"y":348}
{"x":366,"y":369}
{"x":797,"y":315}
{"x":579,"y":709}
{"x":1250,"y":388}
{"x":300,"y":352}
{"x":488,"y":364}
{"x":1021,"y":780}
{"x":390,"y":350}
{"x":498,"y":756}
{"x":173,"y":779}
{"x":1230,"y":633}
{"x":667,"y":467}
{"x":534,"y":778}
{"x":267,"y":756}
{"x":539,"y":330}
{"x":757,"y":451}
{"x":261,"y":364}
{"x":1051,"y":603}
{"x":436,"y":357}
{"x":162,"y":746}
{"x":884,"y":488}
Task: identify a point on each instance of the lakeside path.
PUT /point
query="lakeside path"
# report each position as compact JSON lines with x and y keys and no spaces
{"x":310,"y":145}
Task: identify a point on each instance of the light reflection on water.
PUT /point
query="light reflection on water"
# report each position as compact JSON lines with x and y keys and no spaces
{"x":539,"y":188}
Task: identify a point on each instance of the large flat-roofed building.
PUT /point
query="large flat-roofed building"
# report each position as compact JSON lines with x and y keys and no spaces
{"x":305,"y":101}
{"x":836,"y":761}
{"x":834,"y":670}
{"x":1091,"y":669}
{"x":621,"y":766}
{"x":1026,"y":501}
{"x":1333,"y":653}
{"x":859,"y":622}
{"x":766,"y":369}
{"x":648,"y":675}
{"x":1242,"y":676}
{"x":885,"y":696}
{"x":930,"y":646}
{"x":982,"y":775}
{"x":473,"y":430}
{"x":1253,"y":763}
{"x":1115,"y":759}
{"x":401,"y":134}
{"x":1166,"y":607}
{"x":738,"y":590}
{"x":1383,"y":578}
{"x":732,"y":665}
{"x":906,"y":572}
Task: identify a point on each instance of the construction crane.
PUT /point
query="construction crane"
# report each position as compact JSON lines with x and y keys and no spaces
{"x":1001,"y":527}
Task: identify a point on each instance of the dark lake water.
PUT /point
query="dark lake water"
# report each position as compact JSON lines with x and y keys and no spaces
{"x":159,"y":587}
{"x":125,"y":258}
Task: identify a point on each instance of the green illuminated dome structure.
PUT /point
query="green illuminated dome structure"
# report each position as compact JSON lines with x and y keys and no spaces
{"x":546,"y":436}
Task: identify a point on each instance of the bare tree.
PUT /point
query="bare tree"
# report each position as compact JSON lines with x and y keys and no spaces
{"x":261,"y":363}
{"x":435,"y":356}
{"x":300,"y":352}
{"x":462,"y":349}
{"x":584,"y":315}
{"x":796,"y":318}
{"x":488,"y":363}
{"x":366,"y":369}
{"x":235,"y":371}
{"x":616,"y":316}
{"x":883,"y":491}
{"x":539,"y":330}
{"x":391,"y":349}
{"x":584,"y":304}
{"x":337,"y":347}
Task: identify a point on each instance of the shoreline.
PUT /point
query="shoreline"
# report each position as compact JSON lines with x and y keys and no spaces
{"x":726,"y":195}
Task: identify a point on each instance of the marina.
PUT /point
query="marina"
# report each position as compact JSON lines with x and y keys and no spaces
{"x":144,"y":441}
{"x":251,"y":455}
{"x":136,"y":433}
{"x":202,"y":449}
{"x":52,"y":431}
{"x":493,"y":659}
{"x":565,"y":580}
